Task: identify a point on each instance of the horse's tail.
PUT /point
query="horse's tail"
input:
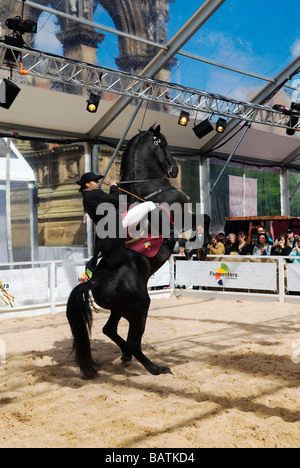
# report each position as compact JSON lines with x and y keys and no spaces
{"x":80,"y":318}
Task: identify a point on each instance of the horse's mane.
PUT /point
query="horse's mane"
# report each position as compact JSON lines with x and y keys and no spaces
{"x":127,"y":158}
{"x":136,"y":148}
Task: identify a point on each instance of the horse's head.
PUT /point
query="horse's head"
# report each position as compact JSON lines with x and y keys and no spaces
{"x":164,"y":158}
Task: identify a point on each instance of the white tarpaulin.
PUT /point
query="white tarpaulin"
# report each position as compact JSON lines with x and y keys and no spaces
{"x":242,"y":196}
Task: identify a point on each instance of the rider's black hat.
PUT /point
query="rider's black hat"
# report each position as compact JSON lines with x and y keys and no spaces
{"x":88,"y":177}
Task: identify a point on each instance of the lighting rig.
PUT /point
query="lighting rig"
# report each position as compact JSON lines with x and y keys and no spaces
{"x":294,"y":113}
{"x":18,"y":26}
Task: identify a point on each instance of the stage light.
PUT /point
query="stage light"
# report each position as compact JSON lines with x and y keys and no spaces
{"x":295,"y":106}
{"x":8,"y":93}
{"x":10,"y":55}
{"x":21,"y":26}
{"x":221,"y":125}
{"x":203,"y":128}
{"x":293,"y":112}
{"x":183,"y":118}
{"x":280,"y":108}
{"x":93,"y":103}
{"x":293,"y":121}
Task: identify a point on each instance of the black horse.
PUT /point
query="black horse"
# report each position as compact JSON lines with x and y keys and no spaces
{"x":149,"y":165}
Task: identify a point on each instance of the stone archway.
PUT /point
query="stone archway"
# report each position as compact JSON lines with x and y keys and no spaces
{"x":143,"y":18}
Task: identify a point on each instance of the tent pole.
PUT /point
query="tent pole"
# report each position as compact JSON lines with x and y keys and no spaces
{"x":248,"y":125}
{"x":7,"y":202}
{"x":121,"y":140}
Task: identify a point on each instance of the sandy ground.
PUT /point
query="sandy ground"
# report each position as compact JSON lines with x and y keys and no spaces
{"x":235,"y":382}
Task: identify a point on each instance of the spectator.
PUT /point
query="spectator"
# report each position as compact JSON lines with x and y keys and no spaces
{"x":214,"y":246}
{"x":262,"y":247}
{"x":243,"y":247}
{"x":231,"y":246}
{"x":295,"y":252}
{"x":262,"y":229}
{"x":221,"y":237}
{"x":281,"y":246}
{"x":179,"y":247}
{"x":290,"y":235}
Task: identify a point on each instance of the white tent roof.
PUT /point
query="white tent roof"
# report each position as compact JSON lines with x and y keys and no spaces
{"x":20,"y":171}
{"x":41,"y":111}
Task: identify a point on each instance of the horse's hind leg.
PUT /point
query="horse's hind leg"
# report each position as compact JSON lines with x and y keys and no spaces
{"x":110,"y":330}
{"x":134,"y":343}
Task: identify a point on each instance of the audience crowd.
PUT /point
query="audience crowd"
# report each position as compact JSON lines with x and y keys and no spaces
{"x":286,"y":244}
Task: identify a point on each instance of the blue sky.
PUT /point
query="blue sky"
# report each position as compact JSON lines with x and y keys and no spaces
{"x":258,"y":36}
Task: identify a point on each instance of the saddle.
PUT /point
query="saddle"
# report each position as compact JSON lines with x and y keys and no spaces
{"x":147,"y":246}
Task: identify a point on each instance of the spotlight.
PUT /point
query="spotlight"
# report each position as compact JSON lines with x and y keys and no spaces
{"x":93,"y":103}
{"x":21,"y":26}
{"x":280,"y":108}
{"x":11,"y":56}
{"x":293,"y":113}
{"x":183,"y":118}
{"x":293,"y":121}
{"x":221,"y":125}
{"x":8,"y":93}
{"x":203,"y":128}
{"x":295,"y":106}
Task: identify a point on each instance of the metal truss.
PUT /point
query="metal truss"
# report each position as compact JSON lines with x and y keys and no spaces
{"x":100,"y":79}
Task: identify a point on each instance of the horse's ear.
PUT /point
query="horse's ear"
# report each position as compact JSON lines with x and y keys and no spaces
{"x":157,"y":131}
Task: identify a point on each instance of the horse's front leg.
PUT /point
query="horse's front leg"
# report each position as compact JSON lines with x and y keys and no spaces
{"x":134,"y":342}
{"x":110,"y":330}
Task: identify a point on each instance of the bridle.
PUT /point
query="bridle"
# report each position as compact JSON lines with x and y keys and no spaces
{"x":157,"y":147}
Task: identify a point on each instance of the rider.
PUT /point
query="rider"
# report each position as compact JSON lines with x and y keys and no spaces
{"x":112,"y":247}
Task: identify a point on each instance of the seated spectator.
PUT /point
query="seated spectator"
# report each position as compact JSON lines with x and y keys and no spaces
{"x":261,"y":229}
{"x":295,"y":252}
{"x":290,"y":235}
{"x":243,"y":247}
{"x":281,"y":246}
{"x":214,"y":246}
{"x":221,"y":237}
{"x":263,"y":247}
{"x":231,"y":246}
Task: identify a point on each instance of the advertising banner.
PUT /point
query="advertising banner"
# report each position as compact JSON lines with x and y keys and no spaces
{"x":161,"y":277}
{"x":67,"y":278}
{"x":27,"y":286}
{"x":293,"y":276}
{"x":224,"y":274}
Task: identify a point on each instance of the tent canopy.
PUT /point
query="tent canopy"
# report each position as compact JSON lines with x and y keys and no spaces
{"x":236,"y":61}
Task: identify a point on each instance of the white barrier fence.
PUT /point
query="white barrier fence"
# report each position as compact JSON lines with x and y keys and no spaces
{"x":44,"y":287}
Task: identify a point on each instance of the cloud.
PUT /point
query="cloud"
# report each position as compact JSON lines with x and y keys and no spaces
{"x":45,"y":39}
{"x":295,"y":49}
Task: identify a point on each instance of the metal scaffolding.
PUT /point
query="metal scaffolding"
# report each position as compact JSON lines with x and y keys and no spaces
{"x":100,"y":79}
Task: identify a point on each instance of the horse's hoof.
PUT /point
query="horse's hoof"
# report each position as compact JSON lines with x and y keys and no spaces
{"x":89,"y":374}
{"x":165,"y":370}
{"x":126,"y":357}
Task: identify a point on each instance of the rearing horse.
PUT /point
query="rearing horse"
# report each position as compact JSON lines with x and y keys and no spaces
{"x":146,"y":168}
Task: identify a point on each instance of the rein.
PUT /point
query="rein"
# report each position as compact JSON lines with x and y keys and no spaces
{"x":137,"y":181}
{"x":148,"y":196}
